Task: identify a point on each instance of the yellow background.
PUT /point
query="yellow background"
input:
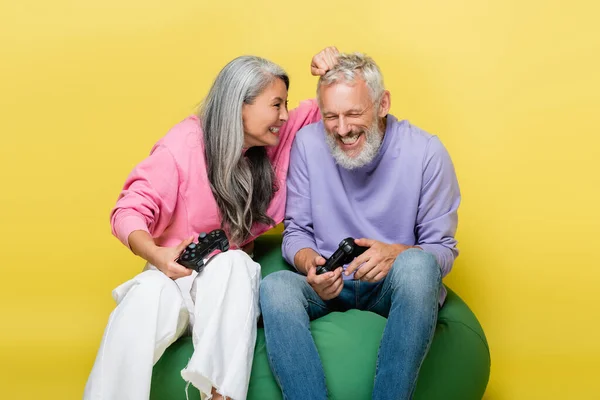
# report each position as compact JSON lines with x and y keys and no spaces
{"x":511,"y":87}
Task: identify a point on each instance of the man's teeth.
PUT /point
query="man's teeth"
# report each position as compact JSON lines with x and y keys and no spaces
{"x":274,"y":130}
{"x":349,"y":139}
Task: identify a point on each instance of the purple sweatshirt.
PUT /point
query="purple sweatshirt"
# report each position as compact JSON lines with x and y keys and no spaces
{"x":408,"y":194}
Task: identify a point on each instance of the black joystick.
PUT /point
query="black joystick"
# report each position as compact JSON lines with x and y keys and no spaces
{"x":346,"y":252}
{"x":194,"y":254}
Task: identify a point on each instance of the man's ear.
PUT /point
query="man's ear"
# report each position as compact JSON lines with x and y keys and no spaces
{"x":384,"y":104}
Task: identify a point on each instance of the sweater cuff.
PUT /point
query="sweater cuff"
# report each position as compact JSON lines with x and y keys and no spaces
{"x":293,"y":246}
{"x":441,"y":256}
{"x":128,"y":224}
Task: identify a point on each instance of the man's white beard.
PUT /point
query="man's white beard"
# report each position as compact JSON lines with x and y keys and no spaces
{"x":373,"y":139}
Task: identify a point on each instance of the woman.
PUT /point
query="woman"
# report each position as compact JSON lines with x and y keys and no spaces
{"x":225,"y":168}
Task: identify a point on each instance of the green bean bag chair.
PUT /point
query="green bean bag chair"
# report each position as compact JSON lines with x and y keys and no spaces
{"x":456,"y":367}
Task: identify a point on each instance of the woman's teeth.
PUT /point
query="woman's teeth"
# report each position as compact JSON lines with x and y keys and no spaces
{"x":274,"y":130}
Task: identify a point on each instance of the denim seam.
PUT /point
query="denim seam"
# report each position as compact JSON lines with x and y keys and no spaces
{"x":432,"y":324}
{"x":381,"y":296}
{"x":275,"y":375}
{"x":317,"y":304}
{"x":423,"y":355}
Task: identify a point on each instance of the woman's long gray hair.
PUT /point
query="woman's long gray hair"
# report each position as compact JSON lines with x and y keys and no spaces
{"x":243,"y":185}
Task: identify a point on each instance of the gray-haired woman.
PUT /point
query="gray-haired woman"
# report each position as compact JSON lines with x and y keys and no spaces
{"x":225,"y":168}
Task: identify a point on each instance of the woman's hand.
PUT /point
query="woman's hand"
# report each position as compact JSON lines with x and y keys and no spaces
{"x":324,"y":61}
{"x":163,"y":258}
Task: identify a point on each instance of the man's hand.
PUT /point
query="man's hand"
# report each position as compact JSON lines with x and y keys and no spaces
{"x":377,"y":261}
{"x":324,"y":61}
{"x":328,"y":285}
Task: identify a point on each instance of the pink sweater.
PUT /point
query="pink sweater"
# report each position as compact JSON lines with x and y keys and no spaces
{"x":168,"y":193}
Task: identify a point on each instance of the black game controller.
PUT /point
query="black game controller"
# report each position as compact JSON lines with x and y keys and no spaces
{"x":193,"y":255}
{"x":346,"y":252}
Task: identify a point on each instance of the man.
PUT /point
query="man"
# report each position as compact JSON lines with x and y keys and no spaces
{"x":361,"y":173}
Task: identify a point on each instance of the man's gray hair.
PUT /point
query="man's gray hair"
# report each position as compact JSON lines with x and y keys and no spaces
{"x":243,"y":186}
{"x":349,"y":67}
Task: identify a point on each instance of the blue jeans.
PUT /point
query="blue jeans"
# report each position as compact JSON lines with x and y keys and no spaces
{"x":407,"y":297}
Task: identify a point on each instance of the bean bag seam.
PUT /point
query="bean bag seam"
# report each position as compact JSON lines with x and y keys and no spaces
{"x":469,"y":328}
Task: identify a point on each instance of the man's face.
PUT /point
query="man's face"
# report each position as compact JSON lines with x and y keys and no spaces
{"x":351,"y":120}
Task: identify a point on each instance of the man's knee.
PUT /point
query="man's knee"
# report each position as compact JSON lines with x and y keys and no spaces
{"x":417,"y":270}
{"x":281,"y":291}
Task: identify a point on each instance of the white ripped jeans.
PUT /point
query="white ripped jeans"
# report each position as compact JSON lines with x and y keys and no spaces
{"x":220,"y":305}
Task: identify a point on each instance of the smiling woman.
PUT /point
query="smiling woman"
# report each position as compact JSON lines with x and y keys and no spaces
{"x":269,"y":112}
{"x":220,"y":169}
{"x":238,"y":112}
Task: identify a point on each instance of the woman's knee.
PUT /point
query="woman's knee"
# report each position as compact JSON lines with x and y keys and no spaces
{"x":148,"y":283}
{"x":235,"y":261}
{"x":230,"y":270}
{"x":153,"y":298}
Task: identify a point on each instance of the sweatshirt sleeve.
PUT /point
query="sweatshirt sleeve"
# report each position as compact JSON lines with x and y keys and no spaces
{"x":437,"y":216}
{"x":148,"y":197}
{"x":298,"y":232}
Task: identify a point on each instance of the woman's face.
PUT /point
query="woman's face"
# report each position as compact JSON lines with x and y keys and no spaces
{"x":263,"y":118}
